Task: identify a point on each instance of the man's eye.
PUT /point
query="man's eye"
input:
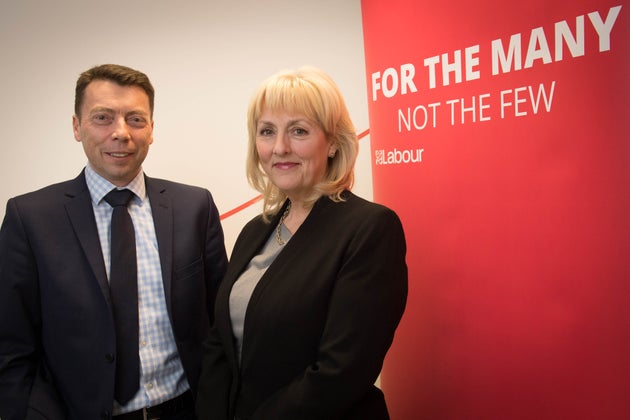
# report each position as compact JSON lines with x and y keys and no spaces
{"x":136,"y":121}
{"x":100,"y":118}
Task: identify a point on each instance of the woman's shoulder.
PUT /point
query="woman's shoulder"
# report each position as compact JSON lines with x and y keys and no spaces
{"x":358,"y":212}
{"x":355,"y":204}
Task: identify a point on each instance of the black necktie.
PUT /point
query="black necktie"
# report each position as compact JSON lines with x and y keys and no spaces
{"x":123,"y":286}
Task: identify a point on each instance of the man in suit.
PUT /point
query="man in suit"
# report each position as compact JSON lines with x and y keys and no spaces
{"x":58,"y":336}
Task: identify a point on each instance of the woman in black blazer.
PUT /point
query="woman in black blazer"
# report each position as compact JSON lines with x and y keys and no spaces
{"x":316,"y":284}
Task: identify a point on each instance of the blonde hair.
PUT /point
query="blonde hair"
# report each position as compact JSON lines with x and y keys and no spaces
{"x":312,"y":93}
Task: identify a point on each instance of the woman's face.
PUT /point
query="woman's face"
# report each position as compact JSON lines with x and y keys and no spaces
{"x":293,"y":152}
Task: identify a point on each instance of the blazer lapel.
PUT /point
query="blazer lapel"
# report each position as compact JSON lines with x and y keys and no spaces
{"x":162,"y":210}
{"x":81,"y":213}
{"x":250,"y":246}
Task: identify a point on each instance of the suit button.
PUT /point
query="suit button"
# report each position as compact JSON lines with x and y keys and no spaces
{"x":109,"y":357}
{"x":105,"y":414}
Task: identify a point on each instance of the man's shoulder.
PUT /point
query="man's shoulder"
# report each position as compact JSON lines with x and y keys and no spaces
{"x":49,"y":201}
{"x":178,"y":192}
{"x":162,"y":185}
{"x":52,"y":191}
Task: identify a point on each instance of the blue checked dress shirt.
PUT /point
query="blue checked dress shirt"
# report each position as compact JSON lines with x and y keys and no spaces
{"x":162,"y":375}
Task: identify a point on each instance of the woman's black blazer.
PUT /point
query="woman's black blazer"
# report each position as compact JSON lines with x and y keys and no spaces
{"x":319,"y":322}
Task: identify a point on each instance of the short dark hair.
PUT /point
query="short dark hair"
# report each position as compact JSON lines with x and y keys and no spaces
{"x":124,"y":76}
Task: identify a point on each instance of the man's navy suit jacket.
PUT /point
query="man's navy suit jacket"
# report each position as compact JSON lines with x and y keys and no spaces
{"x":57,"y":338}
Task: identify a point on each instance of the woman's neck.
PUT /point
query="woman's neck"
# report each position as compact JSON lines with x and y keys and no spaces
{"x":297,"y":214}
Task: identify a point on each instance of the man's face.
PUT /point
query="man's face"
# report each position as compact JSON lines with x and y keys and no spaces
{"x":116,"y":129}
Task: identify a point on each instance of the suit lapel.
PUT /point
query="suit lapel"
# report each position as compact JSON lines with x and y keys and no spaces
{"x":162,"y":210}
{"x":81,"y":213}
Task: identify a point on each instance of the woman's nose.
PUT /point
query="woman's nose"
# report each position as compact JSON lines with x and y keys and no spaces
{"x":281,"y":145}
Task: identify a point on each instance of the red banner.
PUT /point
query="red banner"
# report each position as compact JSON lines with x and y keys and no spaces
{"x":500,"y":133}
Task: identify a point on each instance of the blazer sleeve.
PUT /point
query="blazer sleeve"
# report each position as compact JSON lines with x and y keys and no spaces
{"x":20,"y":348}
{"x":215,"y":381}
{"x":365,"y":307}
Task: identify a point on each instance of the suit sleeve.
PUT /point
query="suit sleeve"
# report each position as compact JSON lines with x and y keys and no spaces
{"x":215,"y":256}
{"x":365,"y":308}
{"x":20,"y":347}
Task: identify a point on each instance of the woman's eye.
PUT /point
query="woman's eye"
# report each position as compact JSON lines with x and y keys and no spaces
{"x":299,"y":131}
{"x":266,"y":131}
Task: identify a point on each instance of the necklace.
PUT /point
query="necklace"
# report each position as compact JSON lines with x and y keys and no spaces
{"x":280,"y":223}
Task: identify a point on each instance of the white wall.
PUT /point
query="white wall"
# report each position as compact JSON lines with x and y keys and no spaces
{"x":204,"y":57}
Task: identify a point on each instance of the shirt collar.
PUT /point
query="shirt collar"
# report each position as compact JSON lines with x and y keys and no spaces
{"x":99,"y":186}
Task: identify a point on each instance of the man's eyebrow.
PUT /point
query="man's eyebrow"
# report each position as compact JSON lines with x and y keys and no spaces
{"x":137,"y":112}
{"x":100,"y":109}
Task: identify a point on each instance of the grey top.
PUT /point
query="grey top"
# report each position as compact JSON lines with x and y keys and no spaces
{"x":245,"y":284}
